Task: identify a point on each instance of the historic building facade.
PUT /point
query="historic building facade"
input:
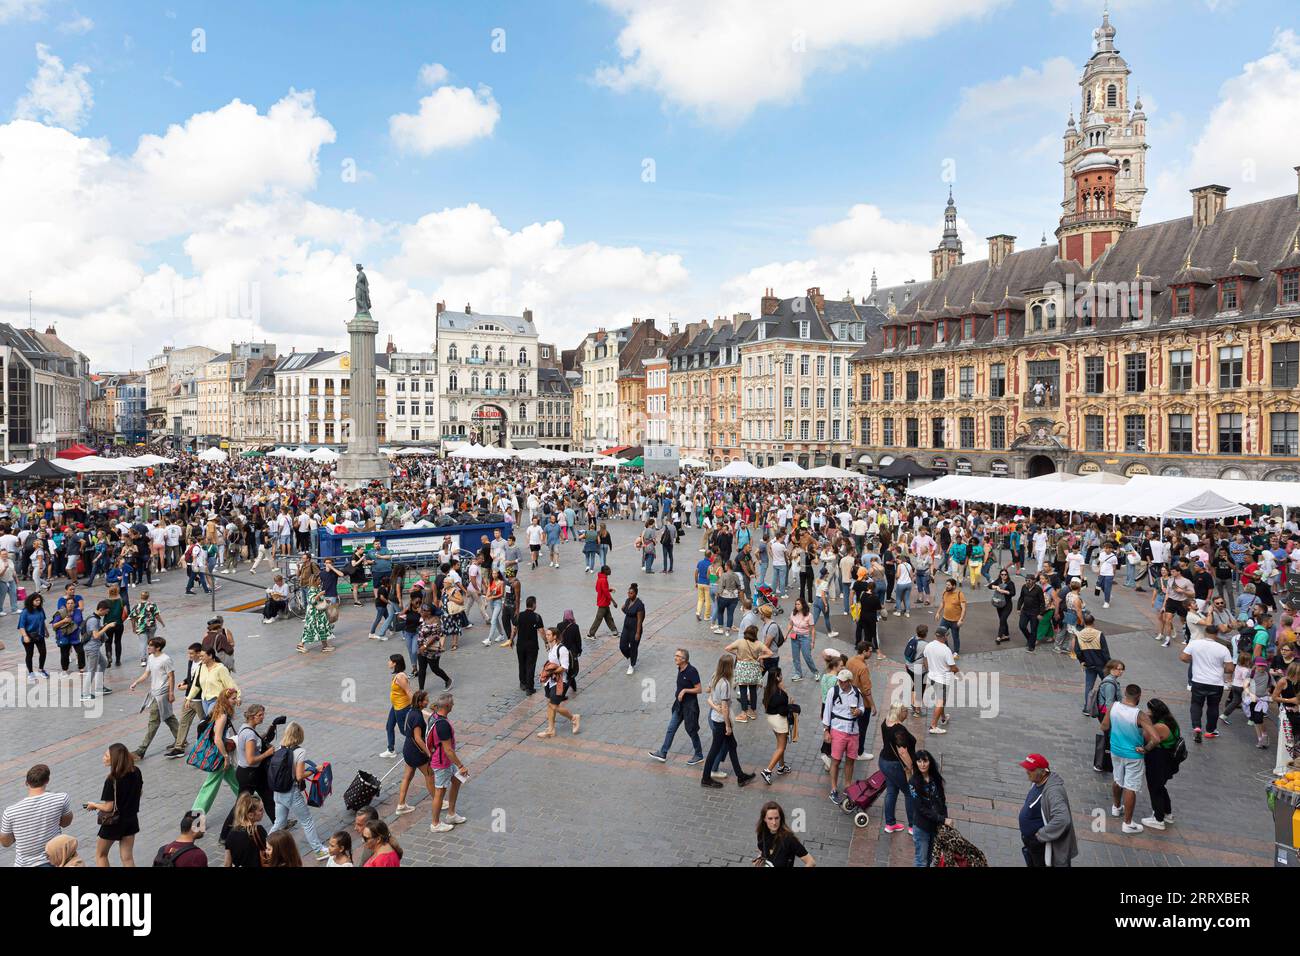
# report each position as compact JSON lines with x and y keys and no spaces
{"x":613,"y":384}
{"x":487,"y":367}
{"x":1171,"y":348}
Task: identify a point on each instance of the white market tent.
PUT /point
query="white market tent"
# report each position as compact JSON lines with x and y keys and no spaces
{"x":481,"y":453}
{"x":606,"y":461}
{"x":541,"y":454}
{"x":413,"y":451}
{"x":94,"y":464}
{"x":831,"y":472}
{"x":325,"y":455}
{"x":693,"y":463}
{"x":1054,"y":477}
{"x":784,"y":469}
{"x":1154,"y":501}
{"x":1283,"y":493}
{"x":1102,"y":478}
{"x":213,"y":454}
{"x":735,"y":469}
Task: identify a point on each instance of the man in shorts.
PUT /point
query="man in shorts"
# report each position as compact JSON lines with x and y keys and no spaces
{"x":841,"y":711}
{"x":940,"y":675}
{"x":1130,"y":732}
{"x":445,"y":764}
{"x":535,"y":535}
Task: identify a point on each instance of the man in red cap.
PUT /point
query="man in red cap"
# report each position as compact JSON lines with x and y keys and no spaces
{"x":1046,"y":826}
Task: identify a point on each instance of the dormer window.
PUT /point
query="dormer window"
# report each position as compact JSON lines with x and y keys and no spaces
{"x":1229,"y":294}
{"x":968,"y":327}
{"x":1002,"y":324}
{"x":1288,"y":287}
{"x":804,"y":327}
{"x":940,"y":333}
{"x":1049,"y":310}
{"x":1183,"y":301}
{"x":915,"y":336}
{"x":1036,"y":313}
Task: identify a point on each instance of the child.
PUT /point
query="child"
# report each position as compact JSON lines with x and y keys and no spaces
{"x":1240,"y":675}
{"x":1255,"y":701}
{"x":340,"y":849}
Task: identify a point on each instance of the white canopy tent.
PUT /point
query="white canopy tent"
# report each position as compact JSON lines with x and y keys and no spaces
{"x":831,"y":472}
{"x":94,"y":464}
{"x":784,"y":469}
{"x":325,"y":455}
{"x":735,"y":469}
{"x":1283,"y":493}
{"x":693,"y":463}
{"x":1055,"y":476}
{"x":605,"y":461}
{"x":213,"y":454}
{"x":1102,"y":478}
{"x":413,"y":451}
{"x":482,"y":453}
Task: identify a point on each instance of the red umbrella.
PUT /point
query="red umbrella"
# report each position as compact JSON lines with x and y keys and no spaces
{"x":75,"y":451}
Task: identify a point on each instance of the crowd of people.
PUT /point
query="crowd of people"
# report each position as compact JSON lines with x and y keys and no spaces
{"x":776,"y":564}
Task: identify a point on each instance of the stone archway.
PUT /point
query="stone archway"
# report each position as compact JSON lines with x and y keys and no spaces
{"x":1039,"y":465}
{"x":488,"y":425}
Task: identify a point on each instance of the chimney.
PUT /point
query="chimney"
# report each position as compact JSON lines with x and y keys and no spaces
{"x":739,"y":319}
{"x":528,"y":315}
{"x":1000,"y":247}
{"x":635,"y":321}
{"x":770,"y":303}
{"x":391,"y":347}
{"x":467,"y":308}
{"x":441,"y":307}
{"x":819,"y":303}
{"x":50,"y":331}
{"x":672,"y":328}
{"x":1207,"y":203}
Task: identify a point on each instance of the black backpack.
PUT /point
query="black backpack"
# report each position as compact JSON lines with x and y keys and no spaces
{"x":279,"y":770}
{"x":164,"y":858}
{"x":572,"y":639}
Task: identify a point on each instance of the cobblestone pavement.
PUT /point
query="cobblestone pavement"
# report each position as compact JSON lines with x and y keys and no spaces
{"x":598,"y":798}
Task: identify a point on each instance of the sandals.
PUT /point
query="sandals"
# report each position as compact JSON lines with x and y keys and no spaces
{"x":302,"y":648}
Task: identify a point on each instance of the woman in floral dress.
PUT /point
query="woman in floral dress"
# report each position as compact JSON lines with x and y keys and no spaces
{"x":317,"y":627}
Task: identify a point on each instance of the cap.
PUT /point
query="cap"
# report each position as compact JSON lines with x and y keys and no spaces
{"x":845,"y":674}
{"x":1035,"y":762}
{"x":831,"y":652}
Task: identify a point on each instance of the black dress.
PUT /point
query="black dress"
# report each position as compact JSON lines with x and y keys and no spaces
{"x":127,"y":801}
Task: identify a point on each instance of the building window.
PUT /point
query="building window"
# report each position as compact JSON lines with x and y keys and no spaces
{"x":938,"y":384}
{"x":887,"y":432}
{"x":1112,"y":96}
{"x":936,"y":433}
{"x":864,"y":427}
{"x":915,"y":336}
{"x":1289,"y":288}
{"x":1135,"y":373}
{"x":803,"y":431}
{"x":821,"y":398}
{"x":821,"y":431}
{"x":835,"y":430}
{"x":836,"y":365}
{"x":1183,"y":302}
{"x":1135,"y":433}
{"x":1001,"y":323}
{"x":1229,"y":433}
{"x":966,"y":432}
{"x":1036,"y":319}
{"x":788,"y":430}
{"x":803,"y":365}
{"x":1094,"y":374}
{"x":452,"y":352}
{"x":1284,"y":434}
{"x":804,"y":394}
{"x":1180,"y":370}
{"x":997,"y":431}
{"x":1180,"y":433}
{"x":1230,"y":362}
{"x":997,"y":380}
{"x":401,"y":407}
{"x":1286,"y":364}
{"x":789,"y":365}
{"x":966,"y":381}
{"x":803,"y":328}
{"x":836,"y":395}
{"x":913,"y":433}
{"x":888,"y":386}
{"x":968,"y":327}
{"x":1228,"y":294}
{"x":912,"y":392}
{"x":821,"y":365}
{"x":1094,"y":433}
{"x":865,"y":381}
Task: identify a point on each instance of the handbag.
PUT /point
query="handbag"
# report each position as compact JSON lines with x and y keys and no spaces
{"x":108,"y":818}
{"x":1101,"y":760}
{"x":999,"y":599}
{"x":332,"y":612}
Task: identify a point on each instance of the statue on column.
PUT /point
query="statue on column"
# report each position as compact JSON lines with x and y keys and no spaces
{"x":363,"y":291}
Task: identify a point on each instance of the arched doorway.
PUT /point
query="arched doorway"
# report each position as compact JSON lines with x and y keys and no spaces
{"x":489,"y":425}
{"x":1040,"y":465}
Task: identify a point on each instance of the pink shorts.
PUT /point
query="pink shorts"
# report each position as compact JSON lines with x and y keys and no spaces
{"x":843,"y":745}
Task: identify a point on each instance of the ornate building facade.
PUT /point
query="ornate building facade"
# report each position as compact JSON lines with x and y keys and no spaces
{"x":1171,"y":348}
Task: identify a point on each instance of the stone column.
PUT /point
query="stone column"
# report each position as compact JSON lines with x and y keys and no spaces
{"x":362,"y":463}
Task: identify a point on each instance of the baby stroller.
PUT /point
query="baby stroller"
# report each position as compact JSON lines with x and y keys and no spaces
{"x":860,"y":795}
{"x":765,"y":595}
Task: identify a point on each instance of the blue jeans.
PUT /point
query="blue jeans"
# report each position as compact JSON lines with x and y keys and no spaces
{"x":495,"y":630}
{"x":903,"y":597}
{"x":668,"y":559}
{"x":896,"y":782}
{"x":954,"y":635}
{"x":725,"y":611}
{"x":762,"y":572}
{"x":674,"y":722}
{"x":648,"y":559}
{"x":384,"y":618}
{"x":780,"y":577}
{"x":920,"y":839}
{"x":1106,"y":582}
{"x":10,"y":588}
{"x":846,"y":592}
{"x":722,"y":746}
{"x":923,"y":583}
{"x":1090,"y":677}
{"x":293,"y":803}
{"x":412,"y":639}
{"x":591,"y":560}
{"x":604,"y":555}
{"x":802,"y":645}
{"x":396,"y":718}
{"x":822,"y":610}
{"x":189,"y":583}
{"x":1130,"y":574}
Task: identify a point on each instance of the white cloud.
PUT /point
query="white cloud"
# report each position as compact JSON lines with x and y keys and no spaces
{"x":22,"y":10}
{"x":846,"y":253}
{"x":1251,"y":138}
{"x":77,"y":25}
{"x":450,"y":116}
{"x":722,"y":60}
{"x":207,"y":233}
{"x":56,"y":95}
{"x":1025,"y":98}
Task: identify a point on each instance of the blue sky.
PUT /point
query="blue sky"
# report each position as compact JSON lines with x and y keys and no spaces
{"x":760,"y":154}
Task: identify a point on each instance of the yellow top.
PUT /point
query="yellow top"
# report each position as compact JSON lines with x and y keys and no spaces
{"x":211,"y":682}
{"x":399,"y":695}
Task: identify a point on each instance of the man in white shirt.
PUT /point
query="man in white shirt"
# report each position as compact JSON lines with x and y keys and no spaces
{"x":535,"y":536}
{"x":161,"y":675}
{"x":277,"y":599}
{"x":1211,"y":664}
{"x":941,"y":674}
{"x":841,"y":711}
{"x":35,"y":820}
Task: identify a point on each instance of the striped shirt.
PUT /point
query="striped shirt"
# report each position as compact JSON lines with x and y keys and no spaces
{"x":34,"y":822}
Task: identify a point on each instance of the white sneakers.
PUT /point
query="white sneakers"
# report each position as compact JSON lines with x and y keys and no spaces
{"x":389,"y":753}
{"x":1105,"y":604}
{"x":373,"y":636}
{"x":630,"y":670}
{"x":1153,"y":823}
{"x":404,"y":808}
{"x":1133,"y":828}
{"x":440,"y":828}
{"x":454,"y":818}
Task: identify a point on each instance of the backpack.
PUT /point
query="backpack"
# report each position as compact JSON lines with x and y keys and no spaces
{"x":1180,"y":752}
{"x":836,"y":698}
{"x":909,"y":651}
{"x":572,"y":640}
{"x":279,"y":770}
{"x":779,"y":639}
{"x":163,"y":858}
